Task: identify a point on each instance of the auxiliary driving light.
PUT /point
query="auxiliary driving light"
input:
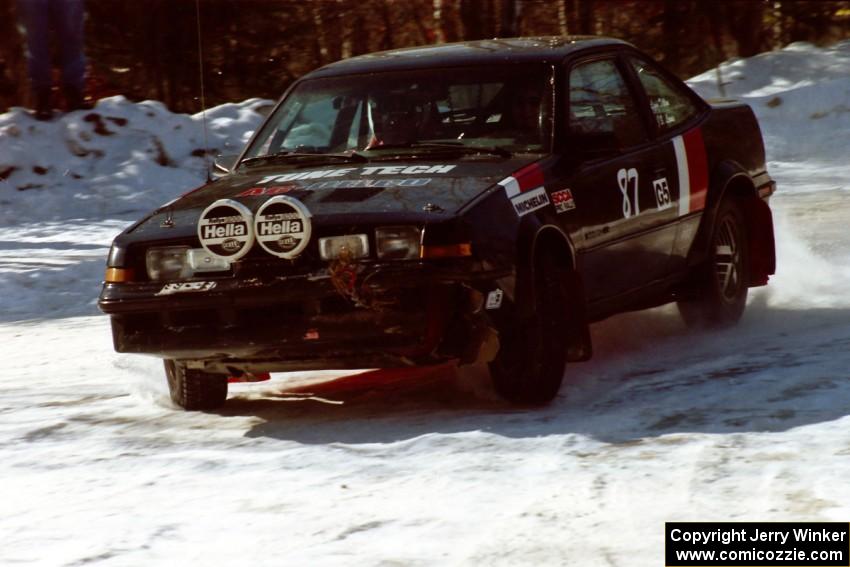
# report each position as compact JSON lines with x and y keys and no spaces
{"x":181,"y":262}
{"x":398,"y":242}
{"x":352,"y":245}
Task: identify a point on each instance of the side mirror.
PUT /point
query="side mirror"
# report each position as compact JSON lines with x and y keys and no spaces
{"x":223,"y":165}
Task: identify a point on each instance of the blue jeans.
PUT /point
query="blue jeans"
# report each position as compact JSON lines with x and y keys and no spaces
{"x":62,"y":21}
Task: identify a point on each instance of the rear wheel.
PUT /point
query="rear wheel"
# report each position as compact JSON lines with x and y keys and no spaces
{"x":529,"y":366}
{"x":721,"y":293}
{"x":193,"y":389}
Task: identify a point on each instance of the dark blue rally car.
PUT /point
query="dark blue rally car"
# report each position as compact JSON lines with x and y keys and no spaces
{"x":479,"y":202}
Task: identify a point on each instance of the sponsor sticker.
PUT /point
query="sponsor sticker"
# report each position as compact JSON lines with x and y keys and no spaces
{"x":363,"y":171}
{"x":662,"y":193}
{"x":494,"y":299}
{"x":171,"y":288}
{"x":267,"y":191}
{"x":563,"y":201}
{"x":530,"y":201}
{"x":283,"y":226}
{"x":225,"y":229}
{"x":336,"y":184}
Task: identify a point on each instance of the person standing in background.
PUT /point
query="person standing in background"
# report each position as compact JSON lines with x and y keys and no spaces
{"x":62,"y":21}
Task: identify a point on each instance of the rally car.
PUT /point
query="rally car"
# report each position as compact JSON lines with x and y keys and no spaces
{"x":469,"y":203}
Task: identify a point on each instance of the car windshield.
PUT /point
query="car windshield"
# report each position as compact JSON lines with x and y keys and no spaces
{"x":494,"y":109}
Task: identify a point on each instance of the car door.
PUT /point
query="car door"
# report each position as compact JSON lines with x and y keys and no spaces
{"x":676,"y":114}
{"x":618,"y":181}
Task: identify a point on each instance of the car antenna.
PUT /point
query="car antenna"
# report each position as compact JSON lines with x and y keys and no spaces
{"x":203,"y":100}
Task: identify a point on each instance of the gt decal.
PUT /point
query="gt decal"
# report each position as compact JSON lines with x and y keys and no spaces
{"x":171,"y":288}
{"x":525,"y":203}
{"x":692,"y":167}
{"x":626,"y":177}
{"x":563,"y":201}
{"x":662,"y":194}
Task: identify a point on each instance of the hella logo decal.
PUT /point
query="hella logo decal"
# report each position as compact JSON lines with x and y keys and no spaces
{"x":283,"y":227}
{"x":226,"y":229}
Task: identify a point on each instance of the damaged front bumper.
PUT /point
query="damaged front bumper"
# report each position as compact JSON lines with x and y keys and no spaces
{"x":414,"y":314}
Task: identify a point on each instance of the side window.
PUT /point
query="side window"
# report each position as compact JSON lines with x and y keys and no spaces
{"x":601,"y":106}
{"x":670,"y":106}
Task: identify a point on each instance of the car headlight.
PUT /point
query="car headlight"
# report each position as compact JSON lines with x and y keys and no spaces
{"x":398,"y":242}
{"x":181,"y":262}
{"x":352,"y":246}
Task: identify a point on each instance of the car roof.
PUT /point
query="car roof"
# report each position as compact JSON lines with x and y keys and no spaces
{"x":482,"y":52}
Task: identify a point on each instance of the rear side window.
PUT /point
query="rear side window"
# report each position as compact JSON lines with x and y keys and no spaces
{"x":670,"y":106}
{"x":601,"y":105}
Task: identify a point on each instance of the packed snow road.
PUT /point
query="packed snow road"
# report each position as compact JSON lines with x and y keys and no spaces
{"x":662,"y":425}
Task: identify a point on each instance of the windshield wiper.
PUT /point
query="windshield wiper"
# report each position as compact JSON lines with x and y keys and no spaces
{"x":304,"y":156}
{"x":448,"y":146}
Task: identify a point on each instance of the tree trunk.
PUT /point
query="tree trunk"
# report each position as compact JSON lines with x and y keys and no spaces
{"x":746,"y":21}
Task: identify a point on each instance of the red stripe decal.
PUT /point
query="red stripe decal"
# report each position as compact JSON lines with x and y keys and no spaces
{"x":529,"y":177}
{"x":697,"y":168}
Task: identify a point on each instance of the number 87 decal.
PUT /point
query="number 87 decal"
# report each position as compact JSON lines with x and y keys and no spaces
{"x":624,"y":178}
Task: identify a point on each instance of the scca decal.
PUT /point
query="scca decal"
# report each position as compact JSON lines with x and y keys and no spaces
{"x":563,"y":201}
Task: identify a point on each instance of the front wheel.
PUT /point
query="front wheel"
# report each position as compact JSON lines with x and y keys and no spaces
{"x":193,"y":389}
{"x":721,"y":293}
{"x":529,"y":366}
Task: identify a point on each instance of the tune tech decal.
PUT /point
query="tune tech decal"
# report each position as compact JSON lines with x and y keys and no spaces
{"x":283,"y":226}
{"x":692,"y":166}
{"x":358,"y":171}
{"x":225,"y":229}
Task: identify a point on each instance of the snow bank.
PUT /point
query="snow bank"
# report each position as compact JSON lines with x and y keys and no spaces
{"x":116,"y":160}
{"x":801,"y":95}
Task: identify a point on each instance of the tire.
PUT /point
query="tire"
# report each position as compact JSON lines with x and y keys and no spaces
{"x":529,"y":366}
{"x":195,"y":390}
{"x":721,"y":292}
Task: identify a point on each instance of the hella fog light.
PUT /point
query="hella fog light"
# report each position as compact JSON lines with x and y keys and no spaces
{"x":202,"y":261}
{"x":398,"y":242}
{"x":168,"y":263}
{"x":352,"y":245}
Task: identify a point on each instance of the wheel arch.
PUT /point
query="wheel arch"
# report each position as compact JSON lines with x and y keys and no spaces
{"x":730,"y":180}
{"x":550,"y":238}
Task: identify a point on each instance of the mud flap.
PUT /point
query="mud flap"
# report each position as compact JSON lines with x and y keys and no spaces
{"x":580,"y":347}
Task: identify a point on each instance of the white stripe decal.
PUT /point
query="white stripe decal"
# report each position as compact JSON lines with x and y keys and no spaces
{"x":684,"y":176}
{"x":511,"y":186}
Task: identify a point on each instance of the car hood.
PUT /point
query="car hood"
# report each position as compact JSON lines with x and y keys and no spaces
{"x":347,"y":191}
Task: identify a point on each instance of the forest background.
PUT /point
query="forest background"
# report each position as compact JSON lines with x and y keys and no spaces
{"x":149,"y":49}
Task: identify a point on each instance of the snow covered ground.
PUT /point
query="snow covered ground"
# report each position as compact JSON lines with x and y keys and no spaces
{"x":663,"y":424}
